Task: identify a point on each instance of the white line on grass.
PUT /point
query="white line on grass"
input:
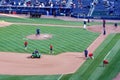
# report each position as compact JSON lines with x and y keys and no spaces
{"x":60,"y":77}
{"x":107,"y":55}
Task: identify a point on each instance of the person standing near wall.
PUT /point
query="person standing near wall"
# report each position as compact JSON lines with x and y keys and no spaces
{"x":104,"y":27}
{"x":115,"y":25}
{"x":104,"y":23}
{"x":104,"y":31}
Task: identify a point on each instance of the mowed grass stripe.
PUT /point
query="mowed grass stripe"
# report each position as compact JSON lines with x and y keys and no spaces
{"x":63,"y":39}
{"x":99,"y":59}
{"x":10,"y":38}
{"x":89,"y":64}
{"x":41,"y":21}
{"x":35,"y":77}
{"x":99,"y":70}
{"x":49,"y":41}
{"x":113,"y":51}
{"x":112,"y":69}
{"x":84,"y":40}
{"x":24,"y":31}
{"x":46,"y":21}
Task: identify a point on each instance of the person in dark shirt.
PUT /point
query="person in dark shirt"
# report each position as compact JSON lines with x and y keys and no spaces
{"x":104,"y":31}
{"x":104,"y":23}
{"x":37,"y":32}
{"x":115,"y":25}
{"x":86,"y":53}
{"x":36,"y":51}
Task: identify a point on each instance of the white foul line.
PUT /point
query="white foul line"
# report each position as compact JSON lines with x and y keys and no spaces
{"x":107,"y":55}
{"x":60,"y":77}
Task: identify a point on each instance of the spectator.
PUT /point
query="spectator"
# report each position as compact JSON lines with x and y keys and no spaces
{"x":47,"y":12}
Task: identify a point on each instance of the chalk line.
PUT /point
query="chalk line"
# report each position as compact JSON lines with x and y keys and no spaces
{"x":107,"y":55}
{"x":60,"y":77}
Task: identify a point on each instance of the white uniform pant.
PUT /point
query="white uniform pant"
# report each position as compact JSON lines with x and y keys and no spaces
{"x":84,"y":26}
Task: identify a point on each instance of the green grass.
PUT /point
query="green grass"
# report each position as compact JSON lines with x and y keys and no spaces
{"x":37,"y":77}
{"x":113,"y":68}
{"x":45,"y":21}
{"x":109,"y":57}
{"x":93,"y":69}
{"x":63,"y":40}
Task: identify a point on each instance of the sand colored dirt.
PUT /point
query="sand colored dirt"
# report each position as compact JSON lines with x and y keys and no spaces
{"x":69,"y":62}
{"x":20,"y":64}
{"x":117,"y":77}
{"x":14,"y":15}
{"x":4,"y":24}
{"x":39,"y":37}
{"x":109,"y":29}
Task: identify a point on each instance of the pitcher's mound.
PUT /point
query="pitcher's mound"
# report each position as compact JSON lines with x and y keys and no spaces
{"x":39,"y":37}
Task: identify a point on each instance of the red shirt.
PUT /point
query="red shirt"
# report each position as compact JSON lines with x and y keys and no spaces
{"x":51,"y":46}
{"x":90,"y":54}
{"x":105,"y":62}
{"x":25,"y":43}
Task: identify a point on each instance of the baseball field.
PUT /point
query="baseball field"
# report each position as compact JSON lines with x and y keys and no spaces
{"x":69,"y":40}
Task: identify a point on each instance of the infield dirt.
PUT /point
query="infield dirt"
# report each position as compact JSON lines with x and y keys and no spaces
{"x":64,"y":63}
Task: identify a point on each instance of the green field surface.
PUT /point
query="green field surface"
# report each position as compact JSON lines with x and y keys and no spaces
{"x":32,"y":77}
{"x":46,"y":21}
{"x":93,"y":69}
{"x":64,"y":39}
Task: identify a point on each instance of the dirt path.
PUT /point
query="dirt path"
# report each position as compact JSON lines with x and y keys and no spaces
{"x":63,"y":63}
{"x":4,"y":24}
{"x":117,"y":77}
{"x":69,"y":62}
{"x":20,"y":64}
